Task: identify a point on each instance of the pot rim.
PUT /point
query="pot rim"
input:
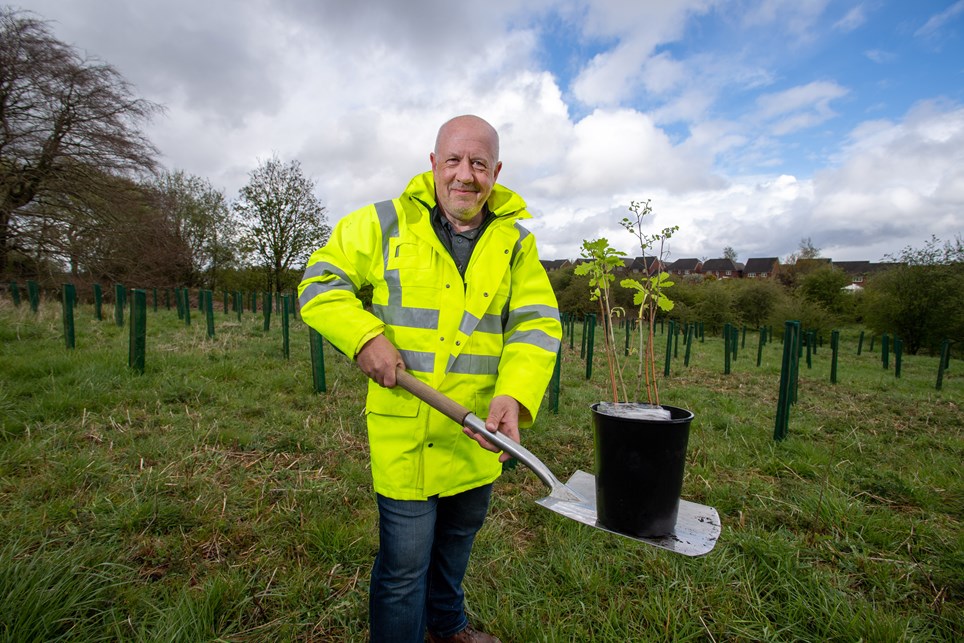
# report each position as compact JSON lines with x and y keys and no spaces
{"x":685,"y":415}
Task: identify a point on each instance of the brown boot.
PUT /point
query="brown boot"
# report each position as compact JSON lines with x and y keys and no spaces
{"x":468,"y":635}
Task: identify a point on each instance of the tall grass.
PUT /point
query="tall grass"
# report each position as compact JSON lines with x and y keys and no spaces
{"x":216,"y":497}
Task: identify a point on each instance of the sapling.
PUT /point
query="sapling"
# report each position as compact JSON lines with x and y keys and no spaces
{"x":648,"y":292}
{"x":601,"y":260}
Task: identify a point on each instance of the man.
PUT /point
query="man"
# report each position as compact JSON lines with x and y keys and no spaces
{"x":461,"y":301}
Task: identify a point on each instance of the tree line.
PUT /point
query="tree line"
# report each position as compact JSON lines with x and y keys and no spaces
{"x":919,"y":299}
{"x":82,"y":193}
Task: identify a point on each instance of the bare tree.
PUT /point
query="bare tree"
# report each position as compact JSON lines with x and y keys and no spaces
{"x":805,"y":260}
{"x":283,"y":221}
{"x":730,"y":253}
{"x":124,"y":236}
{"x":67,"y":125}
{"x":806,"y":251}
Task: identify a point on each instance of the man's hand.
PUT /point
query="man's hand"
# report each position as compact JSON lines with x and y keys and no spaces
{"x":378,"y":359}
{"x":504,"y":418}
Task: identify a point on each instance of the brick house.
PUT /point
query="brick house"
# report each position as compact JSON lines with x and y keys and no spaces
{"x":555,"y":264}
{"x":856,"y":270}
{"x":721,"y":268}
{"x":761,"y":267}
{"x":645,"y":265}
{"x":683,"y":267}
{"x":859,"y":271}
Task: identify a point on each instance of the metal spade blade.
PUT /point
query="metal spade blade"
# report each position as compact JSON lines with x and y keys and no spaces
{"x":695,"y":534}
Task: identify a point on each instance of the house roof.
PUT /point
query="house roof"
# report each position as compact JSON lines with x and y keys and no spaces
{"x":554,"y":264}
{"x":681,"y":265}
{"x":880,"y":267}
{"x":719,"y":265}
{"x":761,"y":264}
{"x":644,"y":264}
{"x":815,"y":261}
{"x":853,"y":267}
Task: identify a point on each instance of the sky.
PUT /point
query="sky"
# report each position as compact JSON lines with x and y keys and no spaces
{"x":750,"y":124}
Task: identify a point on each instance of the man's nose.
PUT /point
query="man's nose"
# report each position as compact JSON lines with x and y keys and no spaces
{"x":464,"y":172}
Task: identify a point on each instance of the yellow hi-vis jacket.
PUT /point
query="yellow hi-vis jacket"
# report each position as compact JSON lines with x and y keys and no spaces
{"x":496,"y":332}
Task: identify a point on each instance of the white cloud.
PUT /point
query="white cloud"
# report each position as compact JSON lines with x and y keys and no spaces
{"x":799,"y":98}
{"x":611,"y":77}
{"x":797,"y":17}
{"x":690,"y":106}
{"x":854,"y":18}
{"x":615,"y":75}
{"x":614,"y":151}
{"x":880,"y":56}
{"x":799,"y":107}
{"x":937,"y":21}
{"x":898,"y":177}
{"x":661,"y":73}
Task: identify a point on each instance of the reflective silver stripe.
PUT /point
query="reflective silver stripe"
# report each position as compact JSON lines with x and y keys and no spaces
{"x":530,"y":313}
{"x":315,"y":289}
{"x":523,"y":233}
{"x":418,"y":361}
{"x":388,"y":222}
{"x":467,"y":364}
{"x":468,"y":323}
{"x":406,"y":316}
{"x":322,"y":268}
{"x":488,"y":324}
{"x":536,"y":338}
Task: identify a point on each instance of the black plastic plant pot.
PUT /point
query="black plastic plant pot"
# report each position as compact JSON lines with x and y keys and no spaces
{"x":639,"y":471}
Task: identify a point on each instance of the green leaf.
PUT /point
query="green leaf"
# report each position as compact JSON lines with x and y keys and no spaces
{"x":632,"y":284}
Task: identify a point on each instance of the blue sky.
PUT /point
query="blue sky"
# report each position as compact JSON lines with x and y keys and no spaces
{"x":847,"y":63}
{"x":749,"y":123}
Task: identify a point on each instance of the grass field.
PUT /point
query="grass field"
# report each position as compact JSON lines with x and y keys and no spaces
{"x":217,"y":497}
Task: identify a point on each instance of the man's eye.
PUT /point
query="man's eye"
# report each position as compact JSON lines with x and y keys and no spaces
{"x":479,"y":165}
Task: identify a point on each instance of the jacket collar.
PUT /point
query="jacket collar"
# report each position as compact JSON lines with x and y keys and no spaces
{"x":502,"y":201}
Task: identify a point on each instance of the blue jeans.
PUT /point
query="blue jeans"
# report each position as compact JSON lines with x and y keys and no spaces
{"x":423,"y":551}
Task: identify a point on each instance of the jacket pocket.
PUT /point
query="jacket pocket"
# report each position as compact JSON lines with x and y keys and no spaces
{"x":391,"y":401}
{"x":417,"y":264}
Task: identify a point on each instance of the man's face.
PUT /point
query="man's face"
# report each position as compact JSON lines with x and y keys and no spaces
{"x":465,"y":166}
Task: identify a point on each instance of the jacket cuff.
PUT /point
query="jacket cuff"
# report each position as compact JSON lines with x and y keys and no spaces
{"x":367,"y":337}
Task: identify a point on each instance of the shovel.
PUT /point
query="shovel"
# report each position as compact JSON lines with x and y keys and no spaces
{"x":697,"y":526}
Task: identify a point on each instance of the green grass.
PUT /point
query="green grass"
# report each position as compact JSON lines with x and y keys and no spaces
{"x":217,"y":497}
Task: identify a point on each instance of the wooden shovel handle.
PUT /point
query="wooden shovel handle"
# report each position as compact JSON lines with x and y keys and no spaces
{"x":445,"y":405}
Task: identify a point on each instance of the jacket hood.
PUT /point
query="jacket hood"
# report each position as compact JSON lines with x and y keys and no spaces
{"x":502,"y":201}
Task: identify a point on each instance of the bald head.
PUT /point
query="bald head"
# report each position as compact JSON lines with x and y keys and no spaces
{"x":472,"y":125}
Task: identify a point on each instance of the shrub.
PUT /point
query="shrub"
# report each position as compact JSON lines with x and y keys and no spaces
{"x":825,"y":287}
{"x":754,"y":300}
{"x":715,"y":308}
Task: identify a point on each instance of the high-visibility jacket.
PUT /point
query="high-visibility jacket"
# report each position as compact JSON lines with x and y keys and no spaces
{"x":496,"y":332}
